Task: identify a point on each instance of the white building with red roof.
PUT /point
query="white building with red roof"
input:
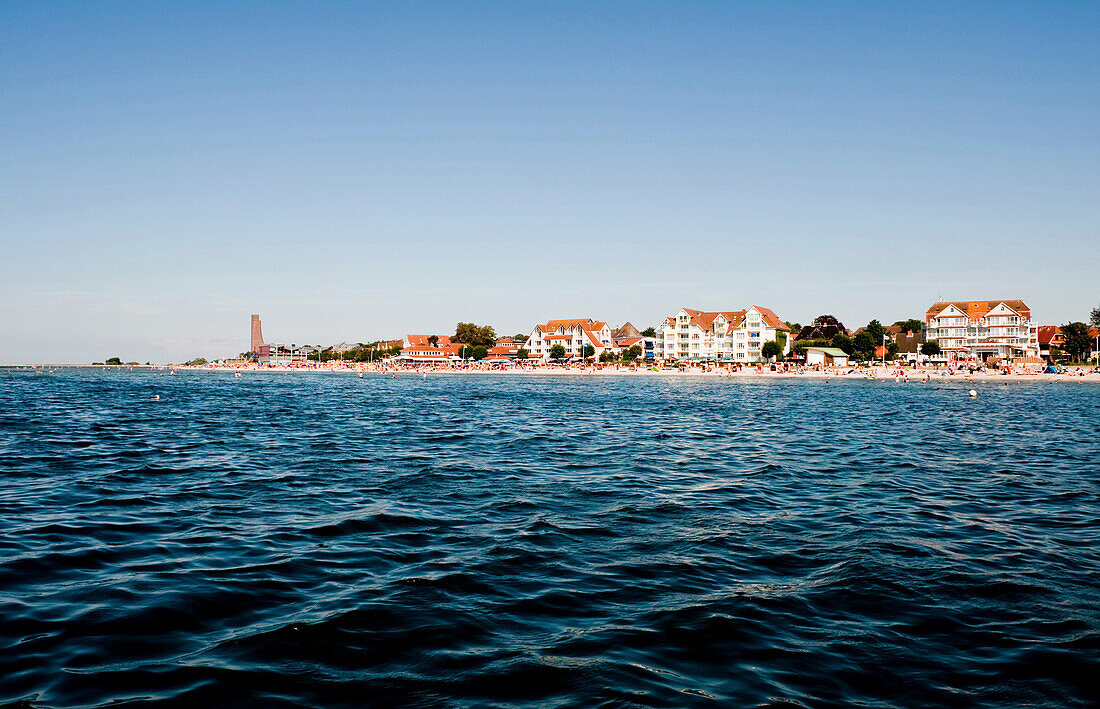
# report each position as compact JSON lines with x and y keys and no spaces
{"x":428,"y":348}
{"x":725,"y":335}
{"x":572,"y":334}
{"x":983,"y":329}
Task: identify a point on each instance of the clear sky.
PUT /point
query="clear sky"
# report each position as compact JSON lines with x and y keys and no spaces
{"x":357,"y":171}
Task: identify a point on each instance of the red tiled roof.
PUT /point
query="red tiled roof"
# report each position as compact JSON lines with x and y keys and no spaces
{"x":772,"y":319}
{"x":705,"y":319}
{"x":585,"y":324}
{"x":977,"y":309}
{"x":444,"y":340}
{"x":555,"y":324}
{"x":1048,"y":333}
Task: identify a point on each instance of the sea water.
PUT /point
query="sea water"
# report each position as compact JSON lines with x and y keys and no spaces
{"x":329,"y":540}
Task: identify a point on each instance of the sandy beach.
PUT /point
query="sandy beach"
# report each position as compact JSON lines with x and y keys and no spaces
{"x":877,"y":373}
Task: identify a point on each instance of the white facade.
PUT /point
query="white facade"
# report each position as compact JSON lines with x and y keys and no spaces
{"x":826,"y":356}
{"x":573,"y":335}
{"x":983,"y":329}
{"x":736,"y":335}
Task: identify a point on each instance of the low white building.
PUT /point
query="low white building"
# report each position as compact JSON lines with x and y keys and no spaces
{"x":830,"y":356}
{"x":728,"y":335}
{"x":573,"y":335}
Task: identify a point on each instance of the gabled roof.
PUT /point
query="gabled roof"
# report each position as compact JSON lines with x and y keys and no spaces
{"x":771,"y":318}
{"x":705,"y":319}
{"x":978,"y":309}
{"x":627,"y":330}
{"x":1048,"y":333}
{"x":573,"y":322}
{"x":585,"y":324}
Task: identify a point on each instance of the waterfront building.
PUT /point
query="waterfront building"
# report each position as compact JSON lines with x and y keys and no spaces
{"x":729,"y":335}
{"x":572,"y":334}
{"x":983,"y":329}
{"x":826,"y":356}
{"x":279,"y":353}
{"x":505,"y":348}
{"x":429,"y":349}
{"x":908,"y":345}
{"x":1050,"y":336}
{"x":648,"y":346}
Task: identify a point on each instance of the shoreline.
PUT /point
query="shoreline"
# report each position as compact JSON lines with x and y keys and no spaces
{"x":876,"y":373}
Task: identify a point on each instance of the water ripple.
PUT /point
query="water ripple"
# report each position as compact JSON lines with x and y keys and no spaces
{"x":320,"y":540}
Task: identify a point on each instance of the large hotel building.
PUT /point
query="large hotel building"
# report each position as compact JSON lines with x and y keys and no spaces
{"x":983,"y":329}
{"x":729,"y":335}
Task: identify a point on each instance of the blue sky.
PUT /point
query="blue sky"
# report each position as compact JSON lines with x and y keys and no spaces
{"x":359,"y":171}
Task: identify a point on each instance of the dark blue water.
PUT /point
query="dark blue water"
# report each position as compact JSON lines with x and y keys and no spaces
{"x":325,"y":540}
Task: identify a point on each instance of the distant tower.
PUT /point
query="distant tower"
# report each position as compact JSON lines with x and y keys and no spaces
{"x":257,"y":335}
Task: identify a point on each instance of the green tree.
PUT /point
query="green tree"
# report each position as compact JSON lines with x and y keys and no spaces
{"x":1078,"y":343}
{"x":876,"y":331}
{"x":588,"y":351}
{"x":770,"y":349}
{"x":781,"y":340}
{"x":433,"y":340}
{"x":1094,"y":317}
{"x":197,"y":362}
{"x":114,"y":360}
{"x":465,"y":333}
{"x":479,"y":351}
{"x":471,"y":334}
{"x":910,"y":325}
{"x":930,"y":348}
{"x":863,"y":345}
{"x":649,"y":332}
{"x":842,"y":342}
{"x":606,"y":356}
{"x":632,"y":353}
{"x":557,"y":352}
{"x":522,"y":353}
{"x":519,"y":337}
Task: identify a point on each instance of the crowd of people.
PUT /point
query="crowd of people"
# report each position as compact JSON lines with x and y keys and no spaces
{"x":900,"y":371}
